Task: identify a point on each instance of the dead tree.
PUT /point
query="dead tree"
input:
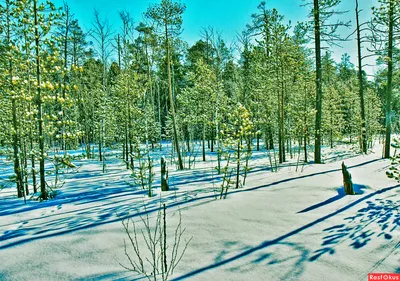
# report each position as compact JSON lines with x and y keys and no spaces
{"x":347,"y":182}
{"x":164,"y":175}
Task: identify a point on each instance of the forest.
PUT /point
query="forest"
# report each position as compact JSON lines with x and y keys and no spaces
{"x":140,"y":102}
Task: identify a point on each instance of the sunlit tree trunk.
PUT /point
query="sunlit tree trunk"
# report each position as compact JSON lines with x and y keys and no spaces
{"x":318,"y":83}
{"x":176,"y":141}
{"x":17,"y":164}
{"x":388,"y":107}
{"x":361,"y":85}
{"x":39,"y":108}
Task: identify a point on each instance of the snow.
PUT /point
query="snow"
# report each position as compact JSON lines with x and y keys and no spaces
{"x":285,"y":225}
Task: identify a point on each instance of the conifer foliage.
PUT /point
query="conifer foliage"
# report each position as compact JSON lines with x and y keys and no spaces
{"x":142,"y":88}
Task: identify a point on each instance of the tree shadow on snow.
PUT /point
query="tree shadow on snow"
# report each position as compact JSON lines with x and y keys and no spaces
{"x":287,"y":256}
{"x":378,"y":219}
{"x":358,"y":189}
{"x":375,"y":210}
{"x":339,"y":155}
{"x":107,"y":204}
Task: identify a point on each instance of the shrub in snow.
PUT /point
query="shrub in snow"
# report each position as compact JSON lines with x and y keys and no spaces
{"x":158,"y":259}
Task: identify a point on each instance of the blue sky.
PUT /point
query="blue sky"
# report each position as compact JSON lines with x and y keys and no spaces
{"x":226,"y":16}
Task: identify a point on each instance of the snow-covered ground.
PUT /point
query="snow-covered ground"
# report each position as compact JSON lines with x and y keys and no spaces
{"x":285,"y":225}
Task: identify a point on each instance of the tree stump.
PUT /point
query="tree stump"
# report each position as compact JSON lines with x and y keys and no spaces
{"x":164,"y":175}
{"x":347,"y":182}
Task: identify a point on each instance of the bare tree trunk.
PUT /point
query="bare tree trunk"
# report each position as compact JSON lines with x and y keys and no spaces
{"x":127,"y":133}
{"x":39,"y":106}
{"x":25,"y":173}
{"x":361,"y":85}
{"x":305,"y":149}
{"x":212,"y":140}
{"x":126,"y":156}
{"x":238,"y":163}
{"x":318,"y":82}
{"x":159,"y":113}
{"x":331,"y":130}
{"x":388,"y":107}
{"x":258,"y":142}
{"x":165,"y":242}
{"x":33,"y":170}
{"x":305,"y":124}
{"x":283,"y":114}
{"x":17,"y":165}
{"x":100,"y":144}
{"x":32,"y":155}
{"x":132,"y":163}
{"x":180,"y":163}
{"x":67,"y":26}
{"x":203,"y":141}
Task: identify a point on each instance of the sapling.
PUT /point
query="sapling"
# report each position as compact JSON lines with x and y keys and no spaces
{"x":160,"y":259}
{"x":143,"y":175}
{"x":59,"y":162}
{"x":248,"y":154}
{"x":226,"y":179}
{"x":238,"y":127}
{"x":57,"y":166}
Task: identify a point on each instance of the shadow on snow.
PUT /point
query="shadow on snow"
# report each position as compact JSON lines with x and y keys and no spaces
{"x":358,"y":189}
{"x":105,"y":205}
{"x":359,"y":237}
